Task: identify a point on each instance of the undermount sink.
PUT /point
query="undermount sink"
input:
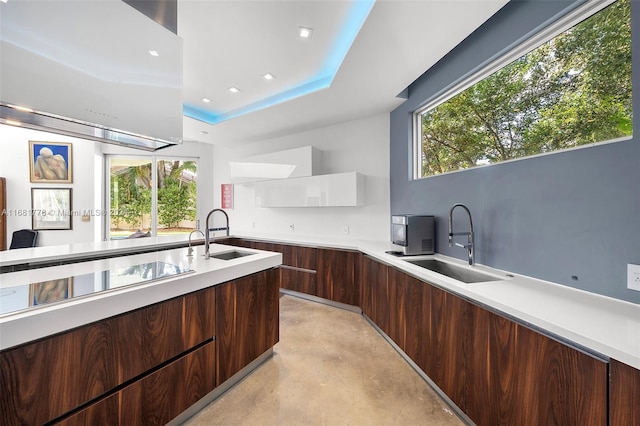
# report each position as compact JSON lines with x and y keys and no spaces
{"x":466,"y":275}
{"x":228,"y":255}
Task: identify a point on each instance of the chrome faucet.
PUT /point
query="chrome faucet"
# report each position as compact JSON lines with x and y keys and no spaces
{"x":469,"y":246}
{"x":207,"y":230}
{"x":190,"y":252}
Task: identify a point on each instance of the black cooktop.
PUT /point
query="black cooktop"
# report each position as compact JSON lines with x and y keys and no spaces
{"x":35,"y":295}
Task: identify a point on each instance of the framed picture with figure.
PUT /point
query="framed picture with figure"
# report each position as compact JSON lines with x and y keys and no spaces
{"x":50,"y":162}
{"x":51,"y":208}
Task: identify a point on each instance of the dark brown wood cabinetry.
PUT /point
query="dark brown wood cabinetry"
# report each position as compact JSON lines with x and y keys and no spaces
{"x":158,"y":397}
{"x":247,"y":316}
{"x":446,"y":347}
{"x":493,"y":369}
{"x":298,"y":269}
{"x":48,"y":378}
{"x":375,"y":292}
{"x":624,"y":395}
{"x":339,"y":276}
{"x":520,"y":376}
{"x":142,"y":367}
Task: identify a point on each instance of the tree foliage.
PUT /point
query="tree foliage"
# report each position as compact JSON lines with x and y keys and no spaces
{"x":176,"y":197}
{"x":131,"y":190}
{"x":570,"y":91}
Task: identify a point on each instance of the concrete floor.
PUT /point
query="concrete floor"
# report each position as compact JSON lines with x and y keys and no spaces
{"x":329,"y":368}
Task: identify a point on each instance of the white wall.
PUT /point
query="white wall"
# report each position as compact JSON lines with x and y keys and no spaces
{"x":88,"y":180}
{"x":359,"y":145}
{"x":14,"y":165}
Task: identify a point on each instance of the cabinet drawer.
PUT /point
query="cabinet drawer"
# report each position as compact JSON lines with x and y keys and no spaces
{"x":302,"y":281}
{"x":47,"y":378}
{"x":158,"y":397}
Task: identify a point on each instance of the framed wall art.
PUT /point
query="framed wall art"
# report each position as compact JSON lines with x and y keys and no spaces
{"x":50,"y":162}
{"x":51,"y":208}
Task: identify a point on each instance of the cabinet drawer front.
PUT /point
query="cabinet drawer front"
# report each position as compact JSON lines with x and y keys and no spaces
{"x":45,"y":379}
{"x":302,"y":281}
{"x":156,"y":398}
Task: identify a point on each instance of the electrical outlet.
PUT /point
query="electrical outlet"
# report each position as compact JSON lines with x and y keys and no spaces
{"x":345,"y":229}
{"x":633,"y":277}
{"x":291,"y":227}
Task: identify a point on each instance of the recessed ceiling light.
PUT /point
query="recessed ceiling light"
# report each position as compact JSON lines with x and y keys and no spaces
{"x":207,"y":100}
{"x":4,"y":1}
{"x":305,"y":32}
{"x":234,"y":89}
{"x":154,"y":53}
{"x":269,"y":76}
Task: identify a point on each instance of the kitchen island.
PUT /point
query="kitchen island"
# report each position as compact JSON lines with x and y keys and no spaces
{"x":134,"y":339}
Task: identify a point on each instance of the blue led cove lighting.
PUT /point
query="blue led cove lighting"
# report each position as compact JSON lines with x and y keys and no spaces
{"x":356,"y":17}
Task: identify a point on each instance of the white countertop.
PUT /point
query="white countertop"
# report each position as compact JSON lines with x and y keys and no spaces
{"x":605,"y":325}
{"x":27,"y":325}
{"x":72,"y":251}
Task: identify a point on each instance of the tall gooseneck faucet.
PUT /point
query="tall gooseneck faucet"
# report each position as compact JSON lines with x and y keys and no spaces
{"x":207,"y":230}
{"x":190,"y":251}
{"x":469,"y":246}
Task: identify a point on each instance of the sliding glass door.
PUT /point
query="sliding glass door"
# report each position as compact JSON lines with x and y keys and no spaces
{"x":150,"y":196}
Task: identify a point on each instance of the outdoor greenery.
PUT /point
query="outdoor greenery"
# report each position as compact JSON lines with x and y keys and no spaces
{"x":131,"y":194}
{"x":176,"y":197}
{"x":570,"y":91}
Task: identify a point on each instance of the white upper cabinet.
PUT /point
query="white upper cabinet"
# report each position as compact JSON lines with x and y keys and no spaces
{"x":334,"y":190}
{"x":297,"y":162}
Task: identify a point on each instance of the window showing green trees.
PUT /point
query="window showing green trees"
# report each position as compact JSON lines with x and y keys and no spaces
{"x":132,"y":191}
{"x":573,"y":90}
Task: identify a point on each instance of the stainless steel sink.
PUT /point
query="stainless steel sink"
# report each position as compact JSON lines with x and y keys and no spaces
{"x":464,"y":274}
{"x":228,"y":255}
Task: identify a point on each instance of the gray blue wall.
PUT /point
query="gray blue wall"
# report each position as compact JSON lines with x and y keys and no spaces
{"x":571,"y":217}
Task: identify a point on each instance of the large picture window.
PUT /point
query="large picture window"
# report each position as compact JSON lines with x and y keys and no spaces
{"x":572,"y":90}
{"x":151,"y":196}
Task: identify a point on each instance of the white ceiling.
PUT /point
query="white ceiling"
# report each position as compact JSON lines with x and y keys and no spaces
{"x":233,"y":43}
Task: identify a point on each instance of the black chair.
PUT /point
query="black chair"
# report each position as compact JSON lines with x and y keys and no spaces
{"x":24,"y":238}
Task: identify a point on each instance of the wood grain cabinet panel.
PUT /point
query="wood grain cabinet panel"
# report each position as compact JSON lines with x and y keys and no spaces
{"x":247,"y":315}
{"x":413,"y":327}
{"x":305,"y":257}
{"x":45,"y":379}
{"x":519,"y":376}
{"x":380,"y":295}
{"x":298,"y":280}
{"x":447,"y":345}
{"x":299,"y":264}
{"x":298,"y":272}
{"x":156,"y":398}
{"x":339,"y":275}
{"x":376,"y":280}
{"x":103,"y":412}
{"x":624,"y":395}
{"x":369,"y":271}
